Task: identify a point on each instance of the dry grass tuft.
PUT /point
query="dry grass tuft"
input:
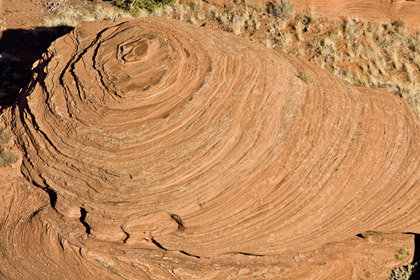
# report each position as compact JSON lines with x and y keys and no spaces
{"x":67,"y":15}
{"x":8,"y":157}
{"x":281,"y":9}
{"x":108,"y":13}
{"x":4,"y":136}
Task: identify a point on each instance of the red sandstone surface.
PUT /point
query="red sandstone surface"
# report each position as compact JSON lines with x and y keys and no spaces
{"x":153,"y":149}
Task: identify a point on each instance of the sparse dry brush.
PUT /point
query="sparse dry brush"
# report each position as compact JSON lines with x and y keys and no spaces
{"x":135,"y":6}
{"x":63,"y":12}
{"x":4,"y":135}
{"x":360,"y":53}
{"x":281,"y":9}
{"x":7,"y":157}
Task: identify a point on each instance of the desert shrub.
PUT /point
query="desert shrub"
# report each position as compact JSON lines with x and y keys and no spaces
{"x":4,"y":136}
{"x":7,"y":157}
{"x":402,"y":254}
{"x":281,"y":9}
{"x":109,"y":13}
{"x":283,"y":40}
{"x":134,"y":6}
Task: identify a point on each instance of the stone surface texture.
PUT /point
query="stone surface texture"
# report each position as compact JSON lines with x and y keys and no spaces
{"x":153,"y":149}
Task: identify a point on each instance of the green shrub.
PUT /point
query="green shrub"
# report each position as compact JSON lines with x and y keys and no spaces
{"x":134,"y":6}
{"x":7,"y":157}
{"x":402,"y":254}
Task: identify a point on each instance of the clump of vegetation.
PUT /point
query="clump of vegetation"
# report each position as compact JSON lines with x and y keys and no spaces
{"x":7,"y":157}
{"x":135,"y":6}
{"x":4,"y":136}
{"x":402,"y":254}
{"x":62,"y":13}
{"x":281,"y":9}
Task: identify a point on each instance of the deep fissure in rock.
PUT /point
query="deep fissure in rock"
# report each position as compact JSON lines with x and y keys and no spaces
{"x":82,"y":220}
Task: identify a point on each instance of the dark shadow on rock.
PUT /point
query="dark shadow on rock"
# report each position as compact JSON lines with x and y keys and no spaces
{"x":19,"y":49}
{"x":415,"y":275}
{"x":416,"y":257}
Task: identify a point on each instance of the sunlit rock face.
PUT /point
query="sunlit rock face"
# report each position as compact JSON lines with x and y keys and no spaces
{"x":152,"y":148}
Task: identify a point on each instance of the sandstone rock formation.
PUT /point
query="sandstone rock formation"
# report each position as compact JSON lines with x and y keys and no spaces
{"x":152,"y":149}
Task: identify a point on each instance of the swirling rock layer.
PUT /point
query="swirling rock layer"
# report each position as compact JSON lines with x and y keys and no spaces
{"x":173,"y":151}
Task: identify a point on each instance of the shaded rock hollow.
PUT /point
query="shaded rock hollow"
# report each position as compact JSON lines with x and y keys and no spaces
{"x":166,"y":147}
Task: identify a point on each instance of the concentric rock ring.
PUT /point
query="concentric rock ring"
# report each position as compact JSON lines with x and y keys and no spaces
{"x":156,"y":133}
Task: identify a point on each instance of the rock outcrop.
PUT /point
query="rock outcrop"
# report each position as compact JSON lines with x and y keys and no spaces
{"x":154,"y":149}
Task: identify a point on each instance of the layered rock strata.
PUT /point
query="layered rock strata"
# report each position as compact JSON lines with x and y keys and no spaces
{"x":154,"y":149}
